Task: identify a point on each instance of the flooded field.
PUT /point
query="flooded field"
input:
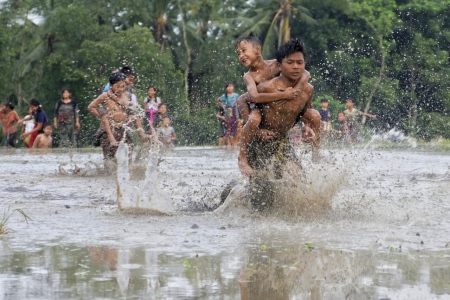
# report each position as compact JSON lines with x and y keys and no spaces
{"x":386,"y":234}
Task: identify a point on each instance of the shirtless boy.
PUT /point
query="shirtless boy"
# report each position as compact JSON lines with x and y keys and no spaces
{"x":44,"y":140}
{"x":268,"y":157}
{"x":249,"y":51}
{"x":118,"y":115}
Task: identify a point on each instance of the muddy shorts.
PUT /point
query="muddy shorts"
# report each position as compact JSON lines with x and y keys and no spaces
{"x":109,"y":151}
{"x":267,"y":159}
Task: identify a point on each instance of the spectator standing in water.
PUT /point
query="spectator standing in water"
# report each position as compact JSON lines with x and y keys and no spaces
{"x":151,"y":103}
{"x":162,"y":113}
{"x":228,"y":115}
{"x":40,"y":119}
{"x":9,"y":119}
{"x":325,"y":114}
{"x":353,"y":115}
{"x":66,"y":119}
{"x":166,"y":133}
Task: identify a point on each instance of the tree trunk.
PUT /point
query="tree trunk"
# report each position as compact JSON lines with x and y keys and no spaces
{"x":414,"y":112}
{"x":377,"y":84}
{"x":188,"y":55}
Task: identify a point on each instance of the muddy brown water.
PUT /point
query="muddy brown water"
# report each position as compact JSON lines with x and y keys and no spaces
{"x":386,"y":235}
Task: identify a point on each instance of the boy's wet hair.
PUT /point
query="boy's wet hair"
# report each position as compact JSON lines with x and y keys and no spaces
{"x":162,"y":104}
{"x":116,"y":77}
{"x":8,"y":104}
{"x":324,"y":100}
{"x":127,"y":70}
{"x":47,"y":125}
{"x":251,"y":38}
{"x":290,"y":47}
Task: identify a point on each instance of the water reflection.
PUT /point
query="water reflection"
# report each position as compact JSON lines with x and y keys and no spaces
{"x":258,"y":272}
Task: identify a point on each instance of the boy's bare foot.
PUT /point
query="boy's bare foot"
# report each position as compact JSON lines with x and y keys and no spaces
{"x":244,"y":167}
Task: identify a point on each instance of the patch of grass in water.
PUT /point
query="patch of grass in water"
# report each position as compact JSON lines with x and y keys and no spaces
{"x":6,"y":215}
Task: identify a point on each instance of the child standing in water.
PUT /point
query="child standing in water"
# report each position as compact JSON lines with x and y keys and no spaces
{"x":44,"y":140}
{"x":167,"y":133}
{"x":229,"y":116}
{"x":116,"y":118}
{"x":28,"y":126}
{"x":249,"y":51}
{"x":325,"y":114}
{"x":151,"y":103}
{"x":162,"y":113}
{"x":9,"y":119}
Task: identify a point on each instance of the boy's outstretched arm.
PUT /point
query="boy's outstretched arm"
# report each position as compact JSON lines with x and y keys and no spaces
{"x":255,"y":97}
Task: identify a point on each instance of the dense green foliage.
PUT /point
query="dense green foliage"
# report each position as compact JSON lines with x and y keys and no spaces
{"x":390,"y":56}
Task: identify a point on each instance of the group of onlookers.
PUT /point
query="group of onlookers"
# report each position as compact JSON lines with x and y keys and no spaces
{"x":36,"y":131}
{"x":347,"y":126}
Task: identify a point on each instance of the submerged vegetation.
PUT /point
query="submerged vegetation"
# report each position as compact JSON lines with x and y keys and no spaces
{"x":390,"y":56}
{"x":6,"y":215}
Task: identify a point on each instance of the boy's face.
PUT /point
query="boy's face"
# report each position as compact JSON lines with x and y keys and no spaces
{"x":166,"y":122}
{"x":119,"y":87}
{"x":324,"y":105}
{"x":349,"y":104}
{"x":341,"y":117}
{"x":48,"y":130}
{"x":293,"y":66}
{"x":247,"y":52}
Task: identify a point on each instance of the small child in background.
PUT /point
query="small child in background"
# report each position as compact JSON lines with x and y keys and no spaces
{"x":159,"y":117}
{"x":44,"y":140}
{"x":325,"y":114}
{"x":28,"y":126}
{"x":166,"y":133}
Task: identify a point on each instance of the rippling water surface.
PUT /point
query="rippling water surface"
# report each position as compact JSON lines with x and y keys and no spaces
{"x":385,"y":236}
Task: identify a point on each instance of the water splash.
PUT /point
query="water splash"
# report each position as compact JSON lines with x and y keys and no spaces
{"x":137,"y":184}
{"x":394,"y":136}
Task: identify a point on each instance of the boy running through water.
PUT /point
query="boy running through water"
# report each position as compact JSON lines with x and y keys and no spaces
{"x":117,"y":117}
{"x":249,"y":51}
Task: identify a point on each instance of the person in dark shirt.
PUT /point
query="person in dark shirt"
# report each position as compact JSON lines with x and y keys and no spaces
{"x":325,"y":114}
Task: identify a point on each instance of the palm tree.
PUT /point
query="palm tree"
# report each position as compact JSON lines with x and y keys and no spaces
{"x":272,"y":19}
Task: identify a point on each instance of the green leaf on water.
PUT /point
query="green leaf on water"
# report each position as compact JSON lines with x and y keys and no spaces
{"x":310,"y":246}
{"x":263,"y":247}
{"x":187,"y":264}
{"x":391,"y":249}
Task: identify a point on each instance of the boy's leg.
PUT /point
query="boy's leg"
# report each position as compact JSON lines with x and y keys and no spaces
{"x":248,"y":132}
{"x":243,"y":106}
